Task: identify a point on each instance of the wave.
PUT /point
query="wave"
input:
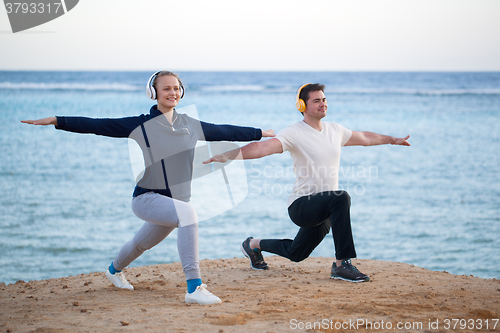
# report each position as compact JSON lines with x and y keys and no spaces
{"x":234,"y":88}
{"x":415,"y":91}
{"x":246,"y":88}
{"x":382,"y":91}
{"x":69,"y":86}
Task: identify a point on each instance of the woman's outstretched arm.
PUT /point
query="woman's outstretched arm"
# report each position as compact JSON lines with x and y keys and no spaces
{"x":111,"y":127}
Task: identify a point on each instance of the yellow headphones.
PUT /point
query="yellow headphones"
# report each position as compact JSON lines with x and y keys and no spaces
{"x":299,"y":102}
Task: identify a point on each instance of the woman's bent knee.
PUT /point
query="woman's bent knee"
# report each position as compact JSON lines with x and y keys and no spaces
{"x":187,"y":214}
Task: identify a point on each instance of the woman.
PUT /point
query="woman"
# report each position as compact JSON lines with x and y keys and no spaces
{"x":161,"y":197}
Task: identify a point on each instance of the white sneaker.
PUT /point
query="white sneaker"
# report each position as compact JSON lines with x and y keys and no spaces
{"x":202,"y":296}
{"x":119,"y":280}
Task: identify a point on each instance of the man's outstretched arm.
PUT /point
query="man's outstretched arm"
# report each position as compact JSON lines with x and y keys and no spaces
{"x":373,"y":139}
{"x":250,"y":151}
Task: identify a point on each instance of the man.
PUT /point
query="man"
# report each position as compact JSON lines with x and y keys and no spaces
{"x":316,"y":204}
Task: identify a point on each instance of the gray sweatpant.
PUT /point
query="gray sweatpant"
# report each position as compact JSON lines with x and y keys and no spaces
{"x":162,"y":215}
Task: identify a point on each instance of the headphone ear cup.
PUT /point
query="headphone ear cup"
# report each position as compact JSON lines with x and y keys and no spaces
{"x":150,"y":90}
{"x":299,"y":102}
{"x":300,"y":105}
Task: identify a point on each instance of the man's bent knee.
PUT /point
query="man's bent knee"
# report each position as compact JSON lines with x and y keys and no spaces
{"x":298,"y":257}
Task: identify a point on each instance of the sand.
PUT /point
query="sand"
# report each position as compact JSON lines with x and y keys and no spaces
{"x":290,"y":297}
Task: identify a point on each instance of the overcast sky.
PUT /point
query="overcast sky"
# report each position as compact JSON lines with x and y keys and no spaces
{"x":320,"y":35}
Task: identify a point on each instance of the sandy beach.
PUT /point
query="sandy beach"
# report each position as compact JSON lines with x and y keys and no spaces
{"x":290,"y":297}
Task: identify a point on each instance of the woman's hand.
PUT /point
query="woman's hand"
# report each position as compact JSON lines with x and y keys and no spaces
{"x":43,"y":122}
{"x":222,"y":158}
{"x":268,"y":133}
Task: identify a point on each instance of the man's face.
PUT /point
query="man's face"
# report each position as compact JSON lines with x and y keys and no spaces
{"x":316,"y":105}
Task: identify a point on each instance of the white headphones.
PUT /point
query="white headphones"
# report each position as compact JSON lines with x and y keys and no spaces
{"x":151,"y":91}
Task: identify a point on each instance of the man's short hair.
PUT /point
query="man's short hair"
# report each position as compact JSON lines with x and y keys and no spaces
{"x":304,"y":93}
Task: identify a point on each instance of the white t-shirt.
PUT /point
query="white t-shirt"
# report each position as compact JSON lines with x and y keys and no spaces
{"x":315,"y":155}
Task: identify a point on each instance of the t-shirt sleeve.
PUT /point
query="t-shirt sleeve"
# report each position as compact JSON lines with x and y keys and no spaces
{"x":345,"y":134}
{"x":286,"y":137}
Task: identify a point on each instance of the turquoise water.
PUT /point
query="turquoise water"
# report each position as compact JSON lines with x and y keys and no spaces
{"x":65,"y":197}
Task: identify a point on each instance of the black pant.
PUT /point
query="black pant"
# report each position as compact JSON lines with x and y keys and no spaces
{"x":314,"y":215}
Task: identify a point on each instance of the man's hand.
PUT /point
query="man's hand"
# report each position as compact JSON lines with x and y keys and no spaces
{"x":268,"y":133}
{"x":43,"y":122}
{"x":402,"y":141}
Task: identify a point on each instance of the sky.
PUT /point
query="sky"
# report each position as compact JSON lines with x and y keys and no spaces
{"x":261,"y":35}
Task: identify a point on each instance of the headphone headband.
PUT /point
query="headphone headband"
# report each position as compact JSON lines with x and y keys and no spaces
{"x":300,"y":104}
{"x":151,"y":91}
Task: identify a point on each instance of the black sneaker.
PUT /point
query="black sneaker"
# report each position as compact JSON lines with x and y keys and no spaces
{"x":255,"y":255}
{"x":348,"y":272}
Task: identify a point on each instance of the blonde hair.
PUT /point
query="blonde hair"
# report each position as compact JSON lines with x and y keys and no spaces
{"x":167,"y":73}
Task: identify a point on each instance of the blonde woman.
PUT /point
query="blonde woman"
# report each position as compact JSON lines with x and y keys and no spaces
{"x":161,"y":197}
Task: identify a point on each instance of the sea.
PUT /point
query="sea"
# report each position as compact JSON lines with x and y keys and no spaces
{"x":65,"y":197}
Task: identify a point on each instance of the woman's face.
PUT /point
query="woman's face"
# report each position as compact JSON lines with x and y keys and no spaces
{"x":168,"y":91}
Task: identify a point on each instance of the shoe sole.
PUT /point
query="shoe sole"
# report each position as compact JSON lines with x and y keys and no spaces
{"x":246,"y":255}
{"x":336,"y":277}
{"x":131,"y":286}
{"x":203,"y":303}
